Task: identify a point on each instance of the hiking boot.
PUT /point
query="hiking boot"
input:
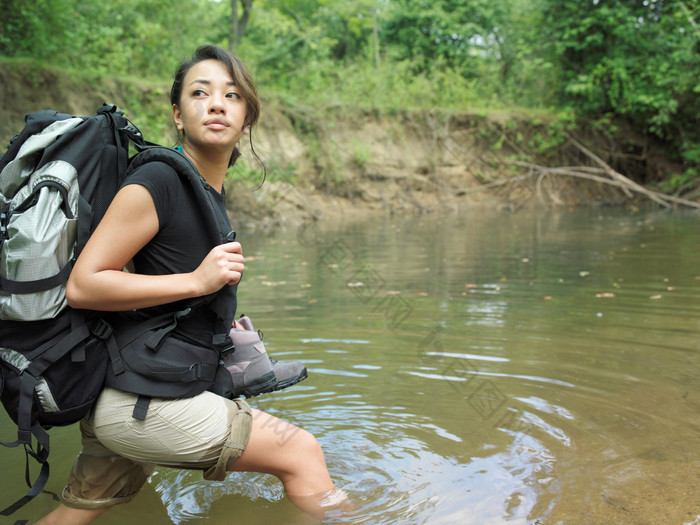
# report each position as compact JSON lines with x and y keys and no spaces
{"x":249,"y":365}
{"x":286,"y":373}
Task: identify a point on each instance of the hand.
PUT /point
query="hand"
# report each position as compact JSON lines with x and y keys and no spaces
{"x":223,"y":265}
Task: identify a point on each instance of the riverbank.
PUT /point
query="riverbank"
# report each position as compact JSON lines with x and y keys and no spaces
{"x":343,"y":162}
{"x":348,"y":164}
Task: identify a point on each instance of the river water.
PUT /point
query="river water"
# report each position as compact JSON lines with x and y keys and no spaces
{"x":477,"y":368}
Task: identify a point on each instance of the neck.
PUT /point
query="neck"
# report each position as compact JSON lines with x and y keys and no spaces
{"x":212,"y":165}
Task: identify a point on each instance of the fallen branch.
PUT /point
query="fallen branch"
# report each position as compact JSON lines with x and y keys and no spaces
{"x":594,"y":174}
{"x":624,"y":181}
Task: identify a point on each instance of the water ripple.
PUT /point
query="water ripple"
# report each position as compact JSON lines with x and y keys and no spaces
{"x":491,"y":374}
{"x":470,"y":356}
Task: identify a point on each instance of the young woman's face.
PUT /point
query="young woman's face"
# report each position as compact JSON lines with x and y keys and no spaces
{"x":211,"y":112}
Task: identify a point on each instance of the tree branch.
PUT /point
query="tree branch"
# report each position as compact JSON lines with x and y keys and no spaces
{"x":617,"y":180}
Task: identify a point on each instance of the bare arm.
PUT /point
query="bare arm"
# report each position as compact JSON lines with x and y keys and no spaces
{"x":97,"y":281}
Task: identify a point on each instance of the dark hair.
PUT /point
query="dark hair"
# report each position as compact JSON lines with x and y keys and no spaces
{"x":241,"y":77}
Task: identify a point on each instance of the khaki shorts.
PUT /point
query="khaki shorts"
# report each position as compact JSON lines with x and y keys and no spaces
{"x":206,"y":432}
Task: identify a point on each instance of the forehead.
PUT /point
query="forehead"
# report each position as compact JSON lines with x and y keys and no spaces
{"x":209,"y":71}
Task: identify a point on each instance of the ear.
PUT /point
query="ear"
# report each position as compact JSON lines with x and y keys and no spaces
{"x":177,"y":117}
{"x":246,"y":130}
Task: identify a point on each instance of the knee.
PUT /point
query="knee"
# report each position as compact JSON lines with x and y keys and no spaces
{"x":309,"y":447}
{"x":307,"y":471}
{"x":306,"y":455}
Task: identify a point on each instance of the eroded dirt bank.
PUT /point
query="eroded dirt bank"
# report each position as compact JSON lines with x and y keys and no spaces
{"x":339,"y":161}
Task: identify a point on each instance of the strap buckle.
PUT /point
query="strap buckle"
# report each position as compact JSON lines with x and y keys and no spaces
{"x":101,"y":329}
{"x":4,"y":220}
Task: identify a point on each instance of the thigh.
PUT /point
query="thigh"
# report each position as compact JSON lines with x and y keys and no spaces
{"x":187,"y":432}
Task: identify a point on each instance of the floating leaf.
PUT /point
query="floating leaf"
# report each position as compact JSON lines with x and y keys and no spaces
{"x":273,"y":283}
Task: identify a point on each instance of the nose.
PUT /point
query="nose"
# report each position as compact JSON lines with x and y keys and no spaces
{"x":216,"y":104}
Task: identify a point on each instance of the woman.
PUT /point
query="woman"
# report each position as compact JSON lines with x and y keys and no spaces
{"x":215,"y":104}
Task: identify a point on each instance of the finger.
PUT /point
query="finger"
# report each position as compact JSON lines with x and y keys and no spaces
{"x":236,"y":266}
{"x":232,"y":247}
{"x":236,"y":258}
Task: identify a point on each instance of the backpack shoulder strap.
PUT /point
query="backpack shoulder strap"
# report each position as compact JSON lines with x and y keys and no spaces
{"x":219,"y":226}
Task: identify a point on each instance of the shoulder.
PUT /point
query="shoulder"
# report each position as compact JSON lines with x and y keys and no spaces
{"x":153,"y":172}
{"x":164,"y":185}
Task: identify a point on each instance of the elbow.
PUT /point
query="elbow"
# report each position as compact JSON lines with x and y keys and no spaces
{"x":75,"y":298}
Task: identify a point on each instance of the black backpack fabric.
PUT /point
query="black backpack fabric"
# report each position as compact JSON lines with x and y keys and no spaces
{"x":57,"y":179}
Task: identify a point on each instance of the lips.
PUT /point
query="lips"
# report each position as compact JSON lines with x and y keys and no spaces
{"x":217,"y":123}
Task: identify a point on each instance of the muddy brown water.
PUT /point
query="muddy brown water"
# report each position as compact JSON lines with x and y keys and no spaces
{"x":478,"y":368}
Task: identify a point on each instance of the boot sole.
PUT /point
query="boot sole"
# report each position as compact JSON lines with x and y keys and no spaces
{"x":293,"y":381}
{"x":263,"y":385}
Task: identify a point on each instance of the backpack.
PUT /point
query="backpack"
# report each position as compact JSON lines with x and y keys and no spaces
{"x":57,"y":179}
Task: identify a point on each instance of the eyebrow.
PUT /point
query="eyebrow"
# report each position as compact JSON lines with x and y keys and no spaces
{"x":207,"y":82}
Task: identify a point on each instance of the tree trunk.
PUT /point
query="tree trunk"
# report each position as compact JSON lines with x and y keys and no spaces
{"x":238,"y":25}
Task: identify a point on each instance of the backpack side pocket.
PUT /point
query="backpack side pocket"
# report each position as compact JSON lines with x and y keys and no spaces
{"x":39,"y":232}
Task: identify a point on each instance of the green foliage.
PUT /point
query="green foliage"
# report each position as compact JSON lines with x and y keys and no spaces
{"x":634,"y":59}
{"x":246,"y":172}
{"x":38,"y":29}
{"x":361,"y":154}
{"x":116,"y":37}
{"x":679,"y":182}
{"x":598,"y":59}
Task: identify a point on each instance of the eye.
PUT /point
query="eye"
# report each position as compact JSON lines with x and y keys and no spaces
{"x":233,"y":94}
{"x":198,"y":93}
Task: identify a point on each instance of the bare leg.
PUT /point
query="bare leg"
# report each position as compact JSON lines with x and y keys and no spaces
{"x":295,"y":457}
{"x":63,"y":515}
{"x":275,"y":447}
